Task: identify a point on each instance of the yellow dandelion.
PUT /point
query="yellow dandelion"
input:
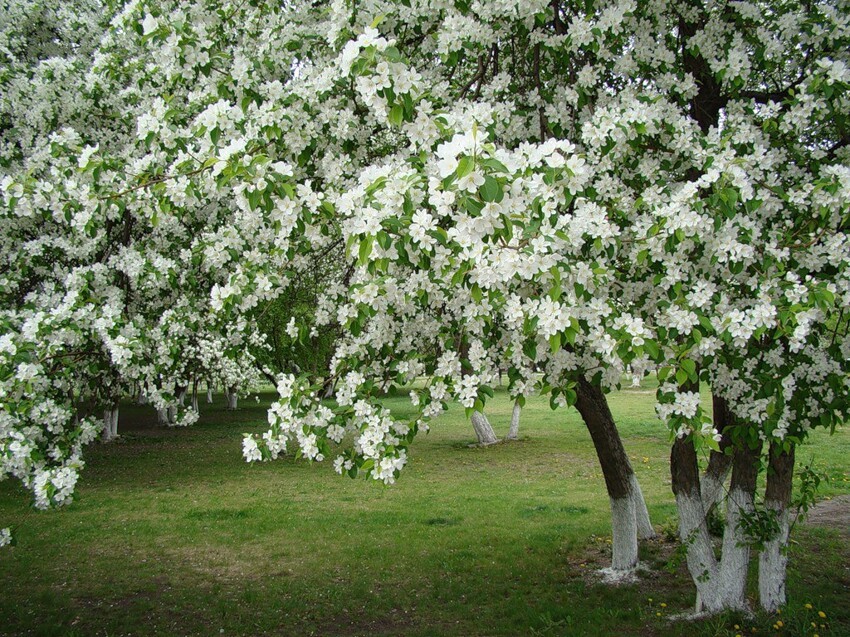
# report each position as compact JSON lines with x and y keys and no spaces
{"x":658,"y":614}
{"x":663,"y":605}
{"x":737,"y":627}
{"x":821,"y":614}
{"x":780,"y":624}
{"x":808,"y":607}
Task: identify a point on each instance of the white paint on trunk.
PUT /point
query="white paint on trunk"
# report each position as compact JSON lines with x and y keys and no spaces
{"x":195,"y":402}
{"x":483,"y":429}
{"x":162,"y":416}
{"x":645,"y":531}
{"x":513,"y":433}
{"x":232,"y":399}
{"x":624,"y":559}
{"x":110,"y":423}
{"x":181,"y":397}
{"x":702,"y":564}
{"x":735,"y":556}
{"x":209,"y":394}
{"x":712,"y":489}
{"x":172,"y":415}
{"x":773,"y":562}
{"x":143,"y":399}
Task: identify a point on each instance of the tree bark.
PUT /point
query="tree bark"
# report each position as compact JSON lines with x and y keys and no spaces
{"x":483,"y":429}
{"x":693,"y":530}
{"x":513,"y":433}
{"x":735,"y":556}
{"x":628,"y":509}
{"x":209,"y":393}
{"x":773,"y":559}
{"x":719,"y":462}
{"x":110,"y":423}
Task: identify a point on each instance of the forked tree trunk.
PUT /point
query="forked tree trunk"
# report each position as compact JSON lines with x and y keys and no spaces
{"x":773,"y":559}
{"x":513,"y":432}
{"x":483,"y":429}
{"x":110,"y":423}
{"x":628,"y":508}
{"x":719,"y":462}
{"x":720,"y":585}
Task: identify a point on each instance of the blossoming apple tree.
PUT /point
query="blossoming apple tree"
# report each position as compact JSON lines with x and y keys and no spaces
{"x":591,"y":190}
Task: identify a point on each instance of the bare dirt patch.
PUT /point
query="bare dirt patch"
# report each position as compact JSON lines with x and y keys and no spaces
{"x":834,"y":513}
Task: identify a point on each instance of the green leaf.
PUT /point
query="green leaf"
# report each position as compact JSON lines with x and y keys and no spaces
{"x":397,"y":115}
{"x":465,"y":166}
{"x":365,"y":249}
{"x":555,"y":342}
{"x":490,"y":190}
{"x":476,"y":293}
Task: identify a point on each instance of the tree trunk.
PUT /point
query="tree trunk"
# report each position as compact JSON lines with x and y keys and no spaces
{"x":162,"y":416}
{"x":209,"y":394}
{"x":628,"y":509}
{"x":513,"y":433}
{"x":773,"y":559}
{"x":720,"y":586}
{"x":719,"y":462}
{"x":735,"y":556}
{"x":232,"y":399}
{"x":110,"y":423}
{"x":195,"y":396}
{"x":645,"y":530}
{"x":693,"y":530}
{"x":483,"y":429}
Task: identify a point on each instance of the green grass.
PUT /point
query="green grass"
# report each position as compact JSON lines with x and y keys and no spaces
{"x":173,"y":533}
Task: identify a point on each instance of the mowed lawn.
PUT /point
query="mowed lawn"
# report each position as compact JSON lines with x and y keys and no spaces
{"x":172,"y":533}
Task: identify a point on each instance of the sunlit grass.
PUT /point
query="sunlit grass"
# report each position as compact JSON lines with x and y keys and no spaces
{"x":173,"y":533}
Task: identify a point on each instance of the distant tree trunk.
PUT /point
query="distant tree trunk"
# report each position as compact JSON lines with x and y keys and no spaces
{"x":209,"y":393}
{"x":110,"y":423}
{"x":195,"y":396}
{"x":628,"y":508}
{"x":773,"y":559}
{"x":483,"y":429}
{"x":513,"y":433}
{"x":232,"y":399}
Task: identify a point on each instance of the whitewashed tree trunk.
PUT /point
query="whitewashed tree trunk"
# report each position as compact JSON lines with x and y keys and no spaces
{"x":628,"y":509}
{"x":773,"y":559}
{"x":513,"y":432}
{"x":645,"y":530}
{"x":232,"y":399}
{"x":720,"y":585}
{"x":110,"y":423}
{"x":172,"y":415}
{"x":483,"y":429}
{"x":142,"y":399}
{"x":162,"y":416}
{"x":624,"y":542}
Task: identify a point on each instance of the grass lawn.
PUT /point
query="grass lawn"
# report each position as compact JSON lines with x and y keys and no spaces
{"x":173,"y":533}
